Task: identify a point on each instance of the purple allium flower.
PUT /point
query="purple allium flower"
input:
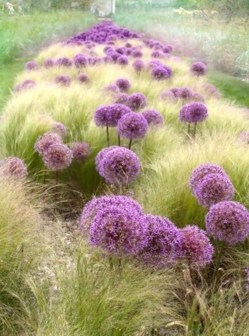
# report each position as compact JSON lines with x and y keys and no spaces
{"x":80,"y":150}
{"x":201,"y":171}
{"x":163,"y":241}
{"x":100,"y":156}
{"x":184,"y":93}
{"x":244,"y":136}
{"x":45,"y":141}
{"x":168,"y":95}
{"x":122,"y":60}
{"x":196,"y":247}
{"x":114,"y":56}
{"x":118,"y":231}
{"x":228,"y":221}
{"x":128,"y":45}
{"x":49,"y":63}
{"x":119,"y":166}
{"x":132,"y":126}
{"x":111,"y":88}
{"x":63,"y":80}
{"x":109,"y":115}
{"x":167,"y":49}
{"x":59,"y":128}
{"x":161,"y":73}
{"x":198,"y":68}
{"x":153,"y":117}
{"x":214,"y":188}
{"x":197,"y":97}
{"x":13,"y":167}
{"x":83,"y":78}
{"x":122,"y":98}
{"x":123,"y":84}
{"x":137,"y":101}
{"x":31,"y":65}
{"x":193,"y":113}
{"x":138,"y":66}
{"x":211,"y":90}
{"x":157,"y":54}
{"x":80,"y":61}
{"x":137,"y":53}
{"x":100,"y":203}
{"x":25,"y":85}
{"x":57,"y":157}
{"x":64,"y":61}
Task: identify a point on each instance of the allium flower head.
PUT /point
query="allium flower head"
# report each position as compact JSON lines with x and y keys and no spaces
{"x":122,"y":60}
{"x":185,"y":93}
{"x":25,"y":85}
{"x":157,"y":54}
{"x":64,"y":61}
{"x":211,"y":90}
{"x":13,"y":167}
{"x":83,"y":78}
{"x":123,"y":84}
{"x":198,"y":68}
{"x":80,"y":150}
{"x":118,"y":231}
{"x":163,"y":241}
{"x":109,"y":115}
{"x":153,"y":117}
{"x":196,"y":248}
{"x":193,"y":113}
{"x":201,"y":171}
{"x":122,"y":98}
{"x":80,"y":61}
{"x":161,"y":73}
{"x":119,"y":166}
{"x":57,"y":157}
{"x":101,"y":155}
{"x":31,"y":65}
{"x":49,"y":63}
{"x":228,"y":221}
{"x":137,"y":53}
{"x":167,"y":49}
{"x":132,"y":126}
{"x":59,"y":128}
{"x":100,"y":203}
{"x":45,"y":141}
{"x":111,"y":88}
{"x":137,"y":101}
{"x":214,"y":188}
{"x":138,"y":66}
{"x":63,"y":80}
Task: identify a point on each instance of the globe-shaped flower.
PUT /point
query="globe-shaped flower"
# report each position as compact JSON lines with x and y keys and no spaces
{"x":13,"y":167}
{"x":214,"y":188}
{"x":193,"y":113}
{"x":184,"y":93}
{"x":153,"y":117}
{"x":80,"y":61}
{"x":119,"y":166}
{"x":201,"y":171}
{"x":45,"y":141}
{"x":118,"y":232}
{"x":228,"y":221}
{"x":211,"y":90}
{"x":122,"y":60}
{"x":196,"y":248}
{"x":63,"y":80}
{"x":132,"y":126}
{"x":163,"y":243}
{"x":64,"y":61}
{"x":198,"y":68}
{"x":59,"y":128}
{"x":122,"y":98}
{"x":137,"y":53}
{"x":161,"y":73}
{"x":138,"y":66}
{"x":31,"y":65}
{"x":136,"y":101}
{"x":123,"y":84}
{"x":157,"y":54}
{"x":57,"y":157}
{"x":80,"y":150}
{"x":167,"y":49}
{"x":109,"y":115}
{"x":49,"y":63}
{"x":83,"y":78}
{"x":100,"y":156}
{"x":25,"y":85}
{"x":100,"y":203}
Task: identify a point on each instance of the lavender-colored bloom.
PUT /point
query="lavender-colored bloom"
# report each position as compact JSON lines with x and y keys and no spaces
{"x":137,"y":101}
{"x":167,"y":49}
{"x":228,"y":221}
{"x":100,"y":156}
{"x":193,"y":113}
{"x":31,"y":65}
{"x":109,"y":115}
{"x":201,"y":171}
{"x":80,"y":150}
{"x":111,"y":88}
{"x":196,"y":248}
{"x":137,"y":53}
{"x":157,"y":54}
{"x":45,"y":141}
{"x":64,"y":61}
{"x":49,"y":63}
{"x":214,"y":188}
{"x":197,"y":97}
{"x":198,"y":68}
{"x":185,"y":93}
{"x":122,"y":98}
{"x":63,"y":80}
{"x":132,"y":126}
{"x":123,"y":84}
{"x":59,"y":128}
{"x":138,"y":66}
{"x":161,"y":73}
{"x":153,"y":117}
{"x":164,"y":241}
{"x":211,"y":90}
{"x":83,"y":78}
{"x":25,"y":85}
{"x":122,"y":60}
{"x":57,"y":157}
{"x":118,"y":231}
{"x":80,"y":61}
{"x":13,"y":167}
{"x":100,"y":203}
{"x":119,"y":166}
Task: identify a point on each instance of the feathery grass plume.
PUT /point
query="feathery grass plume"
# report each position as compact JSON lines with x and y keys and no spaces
{"x":228,"y":221}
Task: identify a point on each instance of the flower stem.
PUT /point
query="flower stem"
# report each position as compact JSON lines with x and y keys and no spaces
{"x":188,"y":128}
{"x":130,"y":143}
{"x":119,"y":140}
{"x":194,"y":130}
{"x":107,"y":136}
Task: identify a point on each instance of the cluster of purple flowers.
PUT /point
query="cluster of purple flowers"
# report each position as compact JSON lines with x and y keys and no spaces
{"x":210,"y":184}
{"x":159,"y":71}
{"x":118,"y":225}
{"x":198,"y":69}
{"x":13,"y":167}
{"x":193,"y":113}
{"x":25,"y":85}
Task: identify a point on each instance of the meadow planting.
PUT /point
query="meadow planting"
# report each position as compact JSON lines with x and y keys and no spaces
{"x":130,"y":174}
